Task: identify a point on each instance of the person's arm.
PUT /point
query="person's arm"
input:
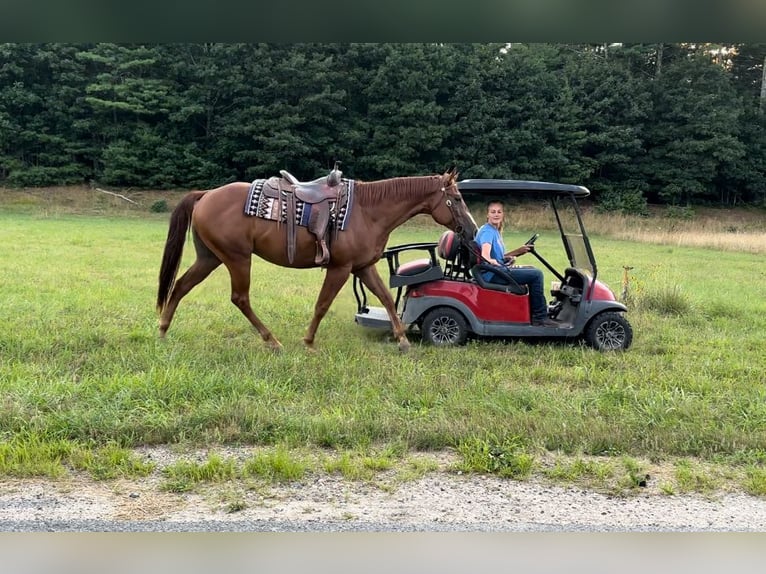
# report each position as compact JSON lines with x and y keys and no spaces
{"x":486,"y":253}
{"x":519,"y":251}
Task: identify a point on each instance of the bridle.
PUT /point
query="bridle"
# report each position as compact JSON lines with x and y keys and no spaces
{"x":450,"y":203}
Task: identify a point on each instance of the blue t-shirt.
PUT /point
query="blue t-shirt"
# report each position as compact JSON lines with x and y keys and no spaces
{"x":489,"y":234}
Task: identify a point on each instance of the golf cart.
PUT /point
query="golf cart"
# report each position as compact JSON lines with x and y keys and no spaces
{"x":447,"y":301}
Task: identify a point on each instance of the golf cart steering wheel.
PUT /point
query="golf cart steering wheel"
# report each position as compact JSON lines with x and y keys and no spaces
{"x":531,"y":240}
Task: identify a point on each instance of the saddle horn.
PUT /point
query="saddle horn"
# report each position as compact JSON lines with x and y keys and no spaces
{"x":335,"y":175}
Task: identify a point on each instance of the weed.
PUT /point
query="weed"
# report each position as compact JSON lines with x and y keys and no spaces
{"x":184,"y":475}
{"x":32,"y":455}
{"x":355,"y":466}
{"x":690,"y":477}
{"x":590,"y":472}
{"x":236,"y":506}
{"x":635,"y":476}
{"x":416,"y":468}
{"x":666,"y":300}
{"x":489,"y":455}
{"x":278,"y":465}
{"x":159,"y":206}
{"x":755,"y":481}
{"x":667,"y":488}
{"x":109,"y":462}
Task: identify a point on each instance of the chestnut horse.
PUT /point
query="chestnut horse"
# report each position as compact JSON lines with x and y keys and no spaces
{"x":223,"y":233}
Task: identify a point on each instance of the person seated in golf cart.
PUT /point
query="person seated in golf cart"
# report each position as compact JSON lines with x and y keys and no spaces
{"x":490,"y":240}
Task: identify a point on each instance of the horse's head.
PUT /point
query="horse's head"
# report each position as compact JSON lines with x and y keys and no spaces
{"x":449,"y":209}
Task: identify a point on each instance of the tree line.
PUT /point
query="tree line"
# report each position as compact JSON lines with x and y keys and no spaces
{"x":678,"y":124}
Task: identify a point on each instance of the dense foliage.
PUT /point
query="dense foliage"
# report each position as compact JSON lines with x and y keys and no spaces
{"x":667,"y":123}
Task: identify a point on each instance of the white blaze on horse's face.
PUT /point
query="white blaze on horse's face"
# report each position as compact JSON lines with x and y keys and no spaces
{"x":474,"y":227}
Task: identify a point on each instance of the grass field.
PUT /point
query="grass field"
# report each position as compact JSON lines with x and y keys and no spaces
{"x":84,"y":378}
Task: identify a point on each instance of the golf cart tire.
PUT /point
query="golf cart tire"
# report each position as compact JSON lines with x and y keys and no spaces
{"x":609,"y":331}
{"x":444,"y":327}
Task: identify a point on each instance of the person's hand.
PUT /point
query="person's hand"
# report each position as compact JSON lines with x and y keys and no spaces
{"x":524,"y":249}
{"x":519,"y":251}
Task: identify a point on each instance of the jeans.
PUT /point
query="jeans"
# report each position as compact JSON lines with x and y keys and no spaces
{"x":532,"y":277}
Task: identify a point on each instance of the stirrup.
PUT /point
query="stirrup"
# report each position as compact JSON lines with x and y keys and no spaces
{"x":322,"y":256}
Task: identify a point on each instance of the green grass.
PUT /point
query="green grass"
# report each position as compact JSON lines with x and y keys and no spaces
{"x":490,"y":455}
{"x":82,"y":370}
{"x":579,"y":470}
{"x":279,"y":465}
{"x":32,"y":455}
{"x":183,"y":475}
{"x":693,"y":477}
{"x":366,"y":464}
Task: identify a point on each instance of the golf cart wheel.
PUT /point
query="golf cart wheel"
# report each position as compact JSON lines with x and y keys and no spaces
{"x":609,"y":332}
{"x":444,"y":327}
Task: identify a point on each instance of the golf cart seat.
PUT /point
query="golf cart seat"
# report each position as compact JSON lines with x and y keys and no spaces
{"x":452,"y":250}
{"x":426,"y":268}
{"x":480,"y":265}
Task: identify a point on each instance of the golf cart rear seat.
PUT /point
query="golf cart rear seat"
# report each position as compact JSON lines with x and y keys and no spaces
{"x":424,"y":269}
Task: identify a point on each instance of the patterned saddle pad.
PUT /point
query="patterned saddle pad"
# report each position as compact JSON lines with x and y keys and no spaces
{"x":266,"y":206}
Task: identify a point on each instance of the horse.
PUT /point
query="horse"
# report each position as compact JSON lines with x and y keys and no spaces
{"x":223,"y":233}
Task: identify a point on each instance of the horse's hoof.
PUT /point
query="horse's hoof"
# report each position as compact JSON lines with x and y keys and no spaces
{"x":404,"y":346}
{"x":274,"y":345}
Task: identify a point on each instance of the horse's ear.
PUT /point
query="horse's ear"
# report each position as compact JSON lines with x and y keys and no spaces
{"x":452,"y":173}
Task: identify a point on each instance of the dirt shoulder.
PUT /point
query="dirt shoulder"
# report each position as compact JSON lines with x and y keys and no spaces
{"x":440,"y":500}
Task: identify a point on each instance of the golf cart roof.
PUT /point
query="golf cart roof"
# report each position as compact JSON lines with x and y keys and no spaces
{"x":517,"y":185}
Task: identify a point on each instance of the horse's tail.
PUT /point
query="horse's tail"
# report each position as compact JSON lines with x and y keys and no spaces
{"x":180,"y":222}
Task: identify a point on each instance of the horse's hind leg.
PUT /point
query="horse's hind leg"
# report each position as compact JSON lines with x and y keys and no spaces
{"x":200,"y":269}
{"x":240,"y":296}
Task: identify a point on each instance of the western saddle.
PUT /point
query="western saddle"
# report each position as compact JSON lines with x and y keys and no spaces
{"x":317,"y":195}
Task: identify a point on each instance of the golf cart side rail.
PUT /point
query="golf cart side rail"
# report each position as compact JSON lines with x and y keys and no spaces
{"x":424,"y":269}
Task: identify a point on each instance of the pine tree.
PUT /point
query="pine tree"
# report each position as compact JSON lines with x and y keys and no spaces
{"x":693,"y":132}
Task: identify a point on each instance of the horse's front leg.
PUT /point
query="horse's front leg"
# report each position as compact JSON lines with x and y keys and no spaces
{"x":334,"y":280}
{"x":371,"y":278}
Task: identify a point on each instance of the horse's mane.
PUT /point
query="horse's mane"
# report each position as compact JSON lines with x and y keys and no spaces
{"x":398,"y":188}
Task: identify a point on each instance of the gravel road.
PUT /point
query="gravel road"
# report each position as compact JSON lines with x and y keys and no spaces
{"x":440,"y":501}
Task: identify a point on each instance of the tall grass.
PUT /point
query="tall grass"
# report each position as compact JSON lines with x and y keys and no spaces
{"x":82,"y":367}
